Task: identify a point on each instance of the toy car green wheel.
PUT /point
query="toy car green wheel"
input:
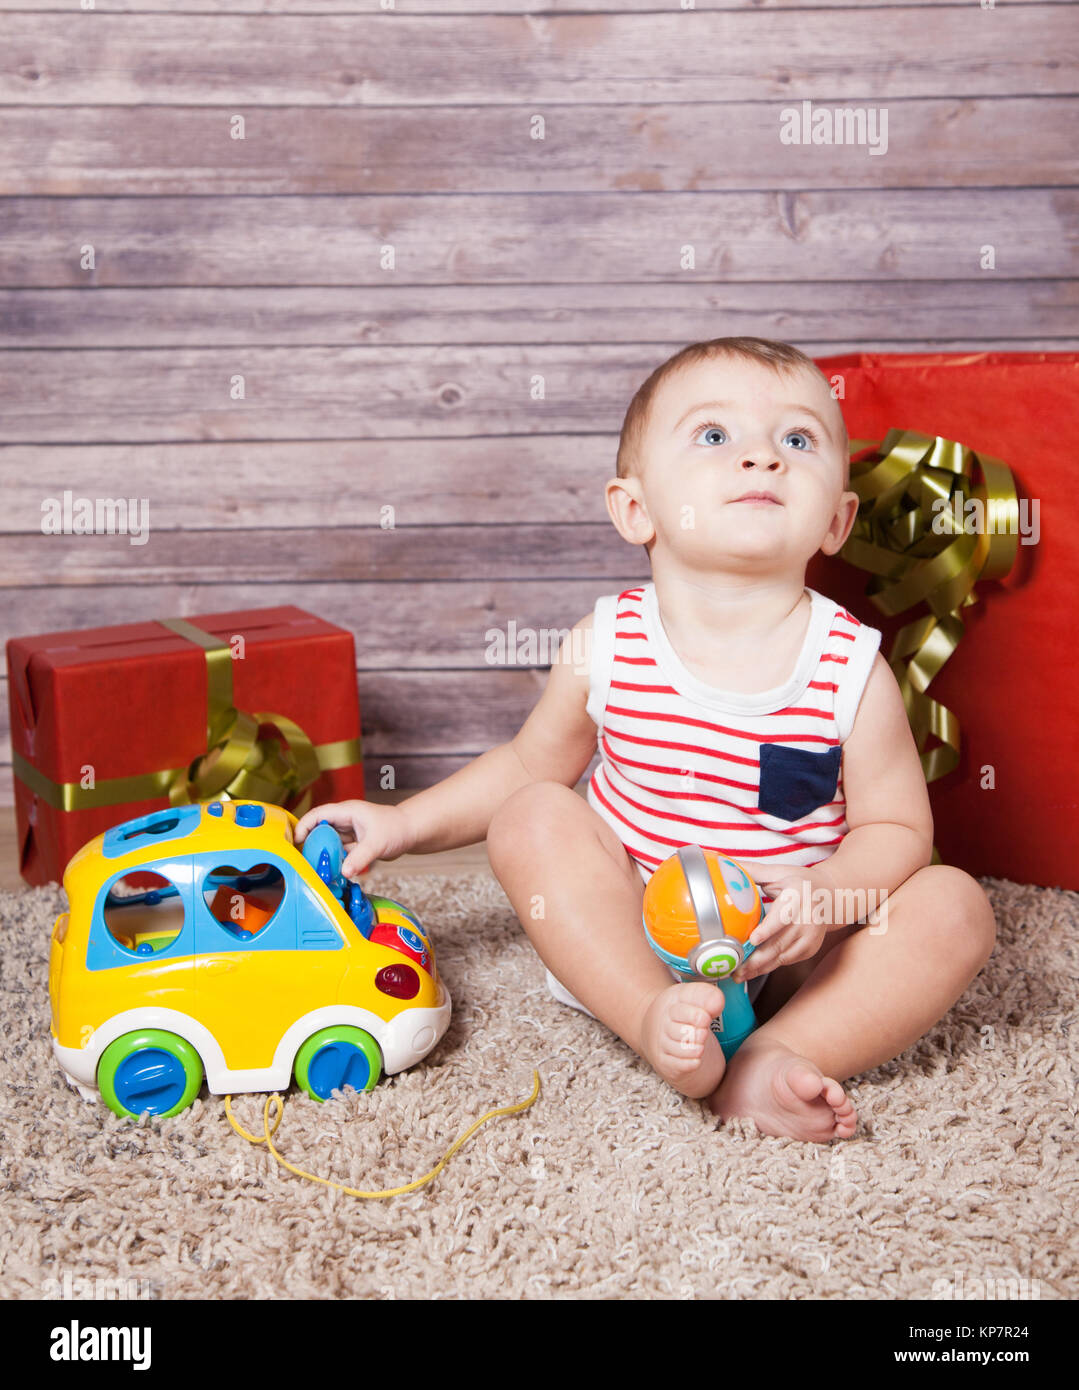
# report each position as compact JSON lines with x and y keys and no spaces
{"x":149,"y":1070}
{"x":335,"y":1058}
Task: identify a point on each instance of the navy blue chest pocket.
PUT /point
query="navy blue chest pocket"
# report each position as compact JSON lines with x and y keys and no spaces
{"x":795,"y":781}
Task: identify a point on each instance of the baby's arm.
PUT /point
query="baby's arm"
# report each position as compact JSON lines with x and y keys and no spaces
{"x":890,"y":836}
{"x":888,"y":812}
{"x":555,"y":743}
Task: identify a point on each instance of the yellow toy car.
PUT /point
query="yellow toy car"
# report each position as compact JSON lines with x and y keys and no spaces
{"x":201,"y":940}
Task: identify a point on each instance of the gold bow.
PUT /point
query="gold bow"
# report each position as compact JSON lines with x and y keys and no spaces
{"x":236,"y":760}
{"x":911,"y":535}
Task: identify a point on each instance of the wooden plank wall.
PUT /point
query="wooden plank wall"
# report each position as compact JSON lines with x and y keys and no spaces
{"x":412,"y":125}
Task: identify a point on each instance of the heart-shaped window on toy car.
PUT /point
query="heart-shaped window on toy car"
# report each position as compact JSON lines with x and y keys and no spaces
{"x":244,"y":900}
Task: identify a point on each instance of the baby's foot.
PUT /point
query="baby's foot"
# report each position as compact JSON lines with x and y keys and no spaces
{"x":784,"y":1093}
{"x":677,"y":1038}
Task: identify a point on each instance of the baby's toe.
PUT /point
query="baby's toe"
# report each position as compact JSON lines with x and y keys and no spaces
{"x":846,"y":1117}
{"x":684,"y":1056}
{"x":703,"y":996}
{"x":836,"y":1097}
{"x":688,"y":1016}
{"x":686,"y":1041}
{"x":805,"y":1082}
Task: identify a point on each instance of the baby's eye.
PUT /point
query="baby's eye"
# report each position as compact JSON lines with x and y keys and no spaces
{"x":809,"y":437}
{"x":706,"y":434}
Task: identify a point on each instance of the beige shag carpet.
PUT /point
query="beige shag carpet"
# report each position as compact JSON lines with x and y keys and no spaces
{"x":963,"y":1170}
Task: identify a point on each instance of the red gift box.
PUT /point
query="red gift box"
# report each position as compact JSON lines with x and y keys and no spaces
{"x":1010,"y":808}
{"x":146,"y":702}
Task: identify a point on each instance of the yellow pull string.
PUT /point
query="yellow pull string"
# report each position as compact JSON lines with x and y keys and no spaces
{"x":267,"y":1139}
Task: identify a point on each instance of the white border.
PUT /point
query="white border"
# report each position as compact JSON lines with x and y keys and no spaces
{"x":602,"y":664}
{"x":397,"y":1040}
{"x":852,"y":682}
{"x":821,"y":613}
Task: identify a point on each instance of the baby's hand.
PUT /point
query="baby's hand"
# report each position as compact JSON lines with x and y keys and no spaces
{"x":373,"y":830}
{"x":787,"y":932}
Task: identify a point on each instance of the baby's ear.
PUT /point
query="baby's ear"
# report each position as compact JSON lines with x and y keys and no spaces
{"x":625,"y":506}
{"x":842,"y":523}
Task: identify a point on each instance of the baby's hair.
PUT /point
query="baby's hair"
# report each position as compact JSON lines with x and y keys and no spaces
{"x":781,"y":357}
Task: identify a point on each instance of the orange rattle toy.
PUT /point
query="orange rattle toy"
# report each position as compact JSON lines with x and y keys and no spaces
{"x":698,"y":911}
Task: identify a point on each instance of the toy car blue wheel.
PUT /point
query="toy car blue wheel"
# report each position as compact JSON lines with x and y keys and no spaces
{"x":149,"y":1071}
{"x":334,"y":1058}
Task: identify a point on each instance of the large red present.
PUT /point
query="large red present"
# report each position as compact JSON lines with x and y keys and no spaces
{"x":1010,"y":807}
{"x":115,"y":722}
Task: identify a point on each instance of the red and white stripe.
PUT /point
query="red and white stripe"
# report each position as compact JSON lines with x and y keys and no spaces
{"x":674,"y":772}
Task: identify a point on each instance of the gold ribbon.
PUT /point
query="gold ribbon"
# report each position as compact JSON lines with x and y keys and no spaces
{"x":278,"y":767}
{"x":911,"y":535}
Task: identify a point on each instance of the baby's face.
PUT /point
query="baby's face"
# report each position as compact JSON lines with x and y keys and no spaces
{"x":726,"y":427}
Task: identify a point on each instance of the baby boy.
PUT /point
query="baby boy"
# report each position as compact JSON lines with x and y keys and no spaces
{"x":736,"y":709}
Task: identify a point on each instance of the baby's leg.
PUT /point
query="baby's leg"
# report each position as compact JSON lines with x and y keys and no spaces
{"x":578,"y":895}
{"x":868,"y":997}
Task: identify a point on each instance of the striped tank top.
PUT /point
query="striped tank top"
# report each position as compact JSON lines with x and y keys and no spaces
{"x":756,"y":776}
